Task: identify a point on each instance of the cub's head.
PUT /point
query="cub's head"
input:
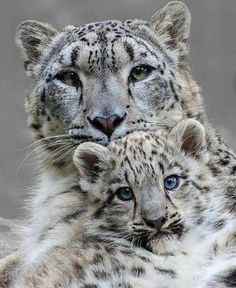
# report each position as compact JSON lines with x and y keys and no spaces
{"x":147,"y":188}
{"x":100,"y":81}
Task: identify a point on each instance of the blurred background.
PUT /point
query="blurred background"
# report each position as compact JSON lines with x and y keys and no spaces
{"x":213,"y":51}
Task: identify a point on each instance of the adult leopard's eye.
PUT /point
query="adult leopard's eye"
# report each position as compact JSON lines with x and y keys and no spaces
{"x":70,"y":78}
{"x":125,"y":193}
{"x":140,"y":72}
{"x":171,"y":182}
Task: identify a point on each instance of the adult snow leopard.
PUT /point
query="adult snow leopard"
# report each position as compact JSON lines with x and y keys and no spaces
{"x":100,"y":81}
{"x":142,"y":194}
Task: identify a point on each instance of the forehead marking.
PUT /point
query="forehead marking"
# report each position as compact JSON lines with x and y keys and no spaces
{"x":131,"y":168}
{"x":129,"y":49}
{"x":101,"y":29}
{"x":74,"y":55}
{"x":161,"y":167}
{"x":141,"y":42}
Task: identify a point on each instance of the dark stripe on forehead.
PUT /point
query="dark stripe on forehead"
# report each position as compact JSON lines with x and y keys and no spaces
{"x":74,"y":55}
{"x":131,"y":168}
{"x":63,"y":42}
{"x":153,"y":170}
{"x":90,"y":56}
{"x":142,"y":43}
{"x":161,"y":167}
{"x":126,"y":176}
{"x":129,"y":49}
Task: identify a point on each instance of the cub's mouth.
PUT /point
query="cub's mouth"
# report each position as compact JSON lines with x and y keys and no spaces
{"x":160,"y":235}
{"x":149,"y":240}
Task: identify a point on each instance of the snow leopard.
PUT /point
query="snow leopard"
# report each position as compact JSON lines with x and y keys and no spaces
{"x":103,"y":80}
{"x":138,"y":213}
{"x":100,"y":81}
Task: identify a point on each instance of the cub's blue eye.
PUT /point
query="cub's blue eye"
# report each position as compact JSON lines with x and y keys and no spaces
{"x":171,"y":182}
{"x":125,"y":193}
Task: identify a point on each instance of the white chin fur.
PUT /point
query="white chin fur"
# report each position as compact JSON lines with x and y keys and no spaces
{"x":165,"y":245}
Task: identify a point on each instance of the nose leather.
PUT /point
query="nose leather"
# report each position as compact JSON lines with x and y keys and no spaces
{"x":107,"y":125}
{"x":157,"y":223}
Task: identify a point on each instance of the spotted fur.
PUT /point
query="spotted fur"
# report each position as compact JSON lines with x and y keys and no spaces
{"x":99,"y":240}
{"x":103,"y":54}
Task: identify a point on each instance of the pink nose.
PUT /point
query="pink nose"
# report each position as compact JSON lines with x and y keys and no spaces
{"x":107,"y":125}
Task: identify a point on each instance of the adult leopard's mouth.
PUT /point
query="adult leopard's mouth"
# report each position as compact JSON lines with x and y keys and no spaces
{"x":78,"y":138}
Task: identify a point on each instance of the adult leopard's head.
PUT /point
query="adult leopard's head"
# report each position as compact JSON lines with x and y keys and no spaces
{"x":147,"y":188}
{"x":103,"y":80}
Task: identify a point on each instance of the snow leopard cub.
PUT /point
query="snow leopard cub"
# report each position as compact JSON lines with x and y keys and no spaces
{"x":161,"y":195}
{"x":141,"y":194}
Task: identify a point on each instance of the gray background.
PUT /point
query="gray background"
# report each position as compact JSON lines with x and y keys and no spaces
{"x":213,"y":50}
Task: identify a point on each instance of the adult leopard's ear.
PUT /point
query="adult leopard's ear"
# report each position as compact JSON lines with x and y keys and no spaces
{"x":34,"y":37}
{"x":91,"y":160}
{"x":173,"y":23}
{"x":189,"y":136}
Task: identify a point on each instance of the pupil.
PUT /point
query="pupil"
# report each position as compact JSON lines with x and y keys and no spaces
{"x":171,"y":182}
{"x":126,"y":193}
{"x":72,"y":75}
{"x":140,"y":70}
{"x":72,"y":78}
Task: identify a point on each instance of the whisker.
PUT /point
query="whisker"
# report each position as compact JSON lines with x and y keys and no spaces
{"x":56,"y":152}
{"x":62,"y":136}
{"x":42,"y":148}
{"x":68,"y":151}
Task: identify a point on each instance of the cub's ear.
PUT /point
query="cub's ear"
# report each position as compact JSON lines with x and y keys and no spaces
{"x":92,"y":160}
{"x":33,"y":38}
{"x":173,"y":23}
{"x":189,"y":136}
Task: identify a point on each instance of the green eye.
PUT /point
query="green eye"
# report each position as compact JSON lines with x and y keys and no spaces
{"x":125,"y":193}
{"x":70,"y":78}
{"x":171,"y":182}
{"x":140,"y":72}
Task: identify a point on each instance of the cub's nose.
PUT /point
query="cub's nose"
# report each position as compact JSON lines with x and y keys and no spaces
{"x":107,"y":125}
{"x":157,"y":223}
